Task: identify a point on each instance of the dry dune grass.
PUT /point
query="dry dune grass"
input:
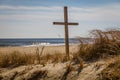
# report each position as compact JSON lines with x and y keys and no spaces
{"x":106,"y":43}
{"x":112,"y":72}
{"x":16,"y":58}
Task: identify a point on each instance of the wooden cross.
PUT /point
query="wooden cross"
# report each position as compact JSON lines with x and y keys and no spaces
{"x":66,"y":23}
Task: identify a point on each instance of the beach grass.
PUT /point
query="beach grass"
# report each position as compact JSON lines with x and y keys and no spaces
{"x":106,"y":44}
{"x":12,"y":56}
{"x":17,"y":58}
{"x":112,"y":71}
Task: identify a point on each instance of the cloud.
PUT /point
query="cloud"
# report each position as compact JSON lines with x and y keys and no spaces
{"x":6,"y":7}
{"x":35,"y":20}
{"x":29,"y":17}
{"x":103,"y":13}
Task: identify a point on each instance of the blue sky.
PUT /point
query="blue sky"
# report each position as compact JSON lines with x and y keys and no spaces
{"x":33,"y":18}
{"x":57,"y":2}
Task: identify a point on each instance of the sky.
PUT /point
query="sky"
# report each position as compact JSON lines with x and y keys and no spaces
{"x":34,"y":18}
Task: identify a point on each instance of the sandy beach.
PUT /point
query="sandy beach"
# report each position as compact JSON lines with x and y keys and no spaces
{"x":32,"y":49}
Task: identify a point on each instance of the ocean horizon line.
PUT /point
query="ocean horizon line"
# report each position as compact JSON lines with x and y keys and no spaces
{"x":37,"y":38}
{"x":34,"y":41}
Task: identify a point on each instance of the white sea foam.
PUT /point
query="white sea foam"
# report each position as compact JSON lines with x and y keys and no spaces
{"x":44,"y":44}
{"x":48,"y":44}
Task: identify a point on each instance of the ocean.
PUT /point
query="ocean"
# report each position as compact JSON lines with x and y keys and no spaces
{"x":37,"y":41}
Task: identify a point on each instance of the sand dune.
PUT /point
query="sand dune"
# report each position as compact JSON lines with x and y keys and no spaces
{"x":55,"y":72}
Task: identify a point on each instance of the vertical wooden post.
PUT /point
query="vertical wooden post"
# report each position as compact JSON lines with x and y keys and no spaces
{"x":66,"y":32}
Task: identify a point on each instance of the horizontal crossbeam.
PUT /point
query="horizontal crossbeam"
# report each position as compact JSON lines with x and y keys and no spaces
{"x":62,"y":23}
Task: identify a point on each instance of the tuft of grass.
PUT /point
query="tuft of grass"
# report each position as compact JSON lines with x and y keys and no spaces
{"x":112,"y":72}
{"x":39,"y":54}
{"x":105,"y":43}
{"x":16,"y":58}
{"x":53,"y":58}
{"x":4,"y":60}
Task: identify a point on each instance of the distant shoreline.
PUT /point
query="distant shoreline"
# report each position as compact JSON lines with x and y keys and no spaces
{"x":40,"y":42}
{"x":40,"y":45}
